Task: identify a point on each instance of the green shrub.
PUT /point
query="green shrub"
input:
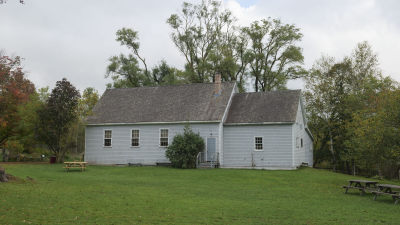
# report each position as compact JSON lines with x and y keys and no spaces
{"x":184,"y":149}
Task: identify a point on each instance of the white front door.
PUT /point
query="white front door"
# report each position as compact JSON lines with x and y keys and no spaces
{"x":211,"y":149}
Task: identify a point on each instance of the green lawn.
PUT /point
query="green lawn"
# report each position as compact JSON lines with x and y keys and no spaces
{"x":151,"y":195}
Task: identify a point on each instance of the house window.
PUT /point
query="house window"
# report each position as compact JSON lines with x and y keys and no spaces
{"x":135,"y":138}
{"x":107,"y":138}
{"x":258,"y":143}
{"x":297,"y":142}
{"x":301,"y":142}
{"x":163,"y":137}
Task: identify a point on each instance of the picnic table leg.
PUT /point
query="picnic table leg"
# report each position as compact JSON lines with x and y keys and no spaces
{"x":346,"y":190}
{"x":376,"y":195}
{"x":362,"y":192}
{"x":396,"y":199}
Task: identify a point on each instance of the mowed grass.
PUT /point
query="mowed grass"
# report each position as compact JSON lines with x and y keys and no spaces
{"x":154,"y":195}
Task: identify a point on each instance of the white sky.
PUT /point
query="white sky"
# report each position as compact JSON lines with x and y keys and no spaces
{"x":74,"y":39}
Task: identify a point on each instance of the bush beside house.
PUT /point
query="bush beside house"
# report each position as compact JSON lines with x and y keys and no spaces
{"x":184,"y":149}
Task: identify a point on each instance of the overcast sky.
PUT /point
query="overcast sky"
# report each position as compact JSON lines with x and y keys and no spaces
{"x":74,"y":39}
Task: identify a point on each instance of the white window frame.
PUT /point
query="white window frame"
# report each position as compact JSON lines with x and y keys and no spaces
{"x":104,"y":138}
{"x":262,"y":143}
{"x":130,"y":135}
{"x":159,"y":137}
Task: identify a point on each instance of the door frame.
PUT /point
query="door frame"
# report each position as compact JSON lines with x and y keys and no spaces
{"x":206,"y":150}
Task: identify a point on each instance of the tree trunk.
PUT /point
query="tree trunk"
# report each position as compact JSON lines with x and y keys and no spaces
{"x":256,"y":84}
{"x":3,"y":177}
{"x":380,"y":171}
{"x":60,"y":156}
{"x":380,"y":174}
{"x":5,"y":155}
{"x":3,"y":151}
{"x":76,"y":138}
{"x":331,"y":150}
{"x":348,"y":169}
{"x":399,"y":173}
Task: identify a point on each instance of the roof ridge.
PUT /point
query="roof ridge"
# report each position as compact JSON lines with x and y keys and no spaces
{"x":266,"y":92}
{"x":171,"y":85}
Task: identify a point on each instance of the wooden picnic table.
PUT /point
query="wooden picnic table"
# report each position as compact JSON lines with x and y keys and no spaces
{"x":361,"y":185}
{"x":79,"y":165}
{"x":388,"y":189}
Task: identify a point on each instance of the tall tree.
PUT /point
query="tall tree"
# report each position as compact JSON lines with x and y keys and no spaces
{"x":325,"y":94}
{"x":198,"y":32}
{"x":125,"y":70}
{"x":26,"y":130}
{"x":132,"y":70}
{"x":334,"y":90}
{"x":86,"y":104}
{"x":89,"y":98}
{"x":230,"y":57}
{"x":163,"y":74}
{"x":374,"y":135}
{"x":274,"y":55}
{"x":15,"y":90}
{"x":56,"y":118}
{"x":43,"y":94}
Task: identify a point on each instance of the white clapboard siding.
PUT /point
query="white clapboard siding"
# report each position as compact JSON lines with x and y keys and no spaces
{"x":148,"y":153}
{"x":239,"y":148}
{"x":302,"y":154}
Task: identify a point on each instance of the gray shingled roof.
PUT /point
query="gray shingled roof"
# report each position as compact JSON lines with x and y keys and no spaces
{"x":191,"y":102}
{"x":264,"y":107}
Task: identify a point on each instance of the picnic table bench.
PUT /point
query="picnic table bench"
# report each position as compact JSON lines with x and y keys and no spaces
{"x":72,"y":165}
{"x":361,"y":185}
{"x":387,"y":189}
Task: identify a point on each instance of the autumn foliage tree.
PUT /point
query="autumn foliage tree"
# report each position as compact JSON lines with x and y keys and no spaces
{"x":15,"y":90}
{"x":374,"y":135}
{"x":57,"y":117}
{"x":89,"y":98}
{"x":353,"y":113}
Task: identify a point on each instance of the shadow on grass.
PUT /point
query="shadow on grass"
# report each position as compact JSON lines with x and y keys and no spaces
{"x":379,"y":199}
{"x":73,"y":171}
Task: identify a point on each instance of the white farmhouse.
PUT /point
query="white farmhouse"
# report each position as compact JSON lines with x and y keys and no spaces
{"x":241,"y":130}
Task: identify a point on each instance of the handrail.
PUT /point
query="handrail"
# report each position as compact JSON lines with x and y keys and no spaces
{"x":214,"y":159}
{"x":197,"y":159}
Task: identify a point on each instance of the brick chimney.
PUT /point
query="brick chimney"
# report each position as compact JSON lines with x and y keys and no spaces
{"x":217,"y":85}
